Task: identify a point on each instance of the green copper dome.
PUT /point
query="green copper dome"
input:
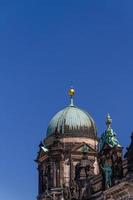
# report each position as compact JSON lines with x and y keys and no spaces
{"x":72,"y":120}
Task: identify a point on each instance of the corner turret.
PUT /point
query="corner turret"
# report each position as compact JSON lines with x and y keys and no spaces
{"x":110,"y":154}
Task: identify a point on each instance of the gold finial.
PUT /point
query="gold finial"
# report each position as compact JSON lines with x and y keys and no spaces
{"x":71,"y":92}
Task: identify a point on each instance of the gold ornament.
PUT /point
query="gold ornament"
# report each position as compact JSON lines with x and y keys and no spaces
{"x":71,"y":92}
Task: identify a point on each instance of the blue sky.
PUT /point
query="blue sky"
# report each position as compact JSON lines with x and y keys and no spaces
{"x":45,"y":47}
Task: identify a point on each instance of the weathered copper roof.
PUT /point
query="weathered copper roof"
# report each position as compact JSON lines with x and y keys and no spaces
{"x":72,"y":120}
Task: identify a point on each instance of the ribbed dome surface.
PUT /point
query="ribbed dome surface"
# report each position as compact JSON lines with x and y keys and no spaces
{"x":72,"y":120}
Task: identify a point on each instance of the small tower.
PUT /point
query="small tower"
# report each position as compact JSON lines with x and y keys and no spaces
{"x":110,"y":154}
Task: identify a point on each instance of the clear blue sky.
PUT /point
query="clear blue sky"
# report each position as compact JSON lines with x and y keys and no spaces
{"x":46,"y":46}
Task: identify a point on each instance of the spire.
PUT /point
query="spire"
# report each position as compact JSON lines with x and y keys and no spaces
{"x":71,"y":93}
{"x":109,"y":136}
{"x":108,"y":121}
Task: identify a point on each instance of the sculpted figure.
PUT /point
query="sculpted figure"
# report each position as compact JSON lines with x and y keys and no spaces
{"x":109,"y":137}
{"x":107,"y":168}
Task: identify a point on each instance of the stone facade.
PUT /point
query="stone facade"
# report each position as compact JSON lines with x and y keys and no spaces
{"x":57,"y":167}
{"x":71,"y":171}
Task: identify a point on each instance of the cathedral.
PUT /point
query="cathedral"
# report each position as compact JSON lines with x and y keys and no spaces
{"x":75,"y":164}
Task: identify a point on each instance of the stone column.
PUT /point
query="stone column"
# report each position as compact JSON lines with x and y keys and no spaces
{"x":51,"y":174}
{"x":67,"y":172}
{"x":96,"y":167}
{"x":58,"y":174}
{"x":54,"y":174}
{"x":61,"y":173}
{"x":71,"y":170}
